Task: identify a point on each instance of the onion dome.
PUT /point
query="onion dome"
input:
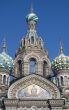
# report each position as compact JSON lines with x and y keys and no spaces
{"x":6,"y":61}
{"x":2,"y":63}
{"x":61,"y":62}
{"x":31,"y":16}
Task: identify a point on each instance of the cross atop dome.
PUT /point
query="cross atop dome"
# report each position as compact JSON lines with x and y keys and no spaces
{"x":61,"y":47}
{"x":4,"y":44}
{"x":31,"y":19}
{"x":31,"y":8}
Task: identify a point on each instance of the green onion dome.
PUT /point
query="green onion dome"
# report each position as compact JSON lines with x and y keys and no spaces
{"x":60,"y":63}
{"x":6,"y":61}
{"x":31,"y":16}
{"x":2,"y":64}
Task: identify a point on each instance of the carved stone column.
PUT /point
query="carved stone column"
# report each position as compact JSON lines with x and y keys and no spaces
{"x":40,"y":70}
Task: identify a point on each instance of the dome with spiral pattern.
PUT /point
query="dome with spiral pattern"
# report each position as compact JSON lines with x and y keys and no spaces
{"x":60,"y":63}
{"x":31,"y":16}
{"x":6,"y":61}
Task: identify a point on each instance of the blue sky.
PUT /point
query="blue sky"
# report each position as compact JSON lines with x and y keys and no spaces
{"x":53,"y":23}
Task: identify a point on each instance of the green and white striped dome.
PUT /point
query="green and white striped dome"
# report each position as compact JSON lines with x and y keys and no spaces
{"x":6,"y":61}
{"x":31,"y":16}
{"x":60,"y":63}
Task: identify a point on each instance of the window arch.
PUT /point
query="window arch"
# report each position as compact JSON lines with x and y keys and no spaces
{"x":20,"y":67}
{"x":32,"y":66}
{"x":44,"y":67}
{"x":4,"y":79}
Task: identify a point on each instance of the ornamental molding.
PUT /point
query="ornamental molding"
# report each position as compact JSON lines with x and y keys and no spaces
{"x":29,"y":103}
{"x":31,"y":55}
{"x":44,"y":58}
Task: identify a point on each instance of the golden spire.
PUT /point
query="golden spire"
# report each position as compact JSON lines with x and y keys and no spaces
{"x":4,"y":44}
{"x":61,"y":47}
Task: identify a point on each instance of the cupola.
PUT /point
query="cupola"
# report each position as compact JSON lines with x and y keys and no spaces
{"x":5,"y":60}
{"x":61,"y":62}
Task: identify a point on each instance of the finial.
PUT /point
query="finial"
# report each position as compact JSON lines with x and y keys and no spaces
{"x":4,"y":44}
{"x":31,"y":8}
{"x":61,"y":47}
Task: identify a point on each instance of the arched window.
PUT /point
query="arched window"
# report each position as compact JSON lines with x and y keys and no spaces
{"x":61,"y":80}
{"x":20,"y":67}
{"x":24,"y":41}
{"x":44,"y":67}
{"x":32,"y":66}
{"x":32,"y":39}
{"x":4,"y":79}
{"x":29,"y":41}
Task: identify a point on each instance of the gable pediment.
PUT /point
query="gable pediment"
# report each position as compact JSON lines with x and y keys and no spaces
{"x":33,"y":86}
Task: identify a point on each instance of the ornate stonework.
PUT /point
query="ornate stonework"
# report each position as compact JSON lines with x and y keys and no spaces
{"x":36,"y":84}
{"x":33,"y":79}
{"x":42,"y":104}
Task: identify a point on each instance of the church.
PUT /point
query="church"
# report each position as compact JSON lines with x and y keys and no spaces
{"x":37,"y":84}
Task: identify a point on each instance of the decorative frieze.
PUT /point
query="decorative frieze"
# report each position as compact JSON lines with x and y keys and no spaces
{"x":39,"y":104}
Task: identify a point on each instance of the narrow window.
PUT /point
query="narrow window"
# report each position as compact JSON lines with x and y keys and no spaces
{"x":44,"y":67}
{"x":24,"y":41}
{"x":29,"y":41}
{"x":11,"y":75}
{"x":61,"y":80}
{"x":4,"y":79}
{"x":32,"y":40}
{"x":32,"y":66}
{"x":20,"y":67}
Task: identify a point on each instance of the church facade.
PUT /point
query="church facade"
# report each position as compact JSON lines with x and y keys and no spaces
{"x":37,"y":83}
